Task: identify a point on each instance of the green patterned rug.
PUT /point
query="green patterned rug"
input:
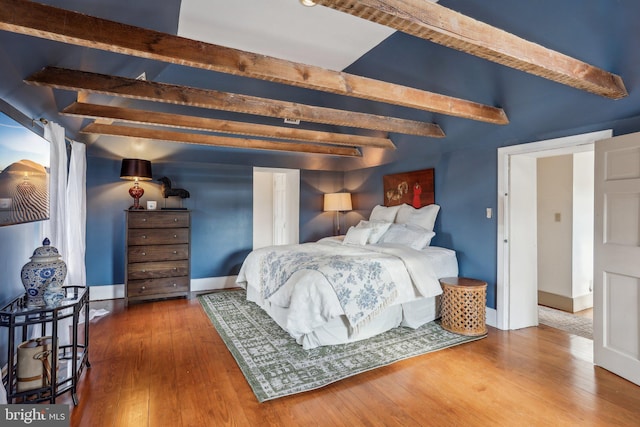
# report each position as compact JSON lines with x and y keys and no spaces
{"x":276,"y":366}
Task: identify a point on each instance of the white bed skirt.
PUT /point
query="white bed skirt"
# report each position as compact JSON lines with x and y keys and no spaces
{"x":336,"y":331}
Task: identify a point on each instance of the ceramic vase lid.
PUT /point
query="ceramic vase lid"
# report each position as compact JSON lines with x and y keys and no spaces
{"x":45,"y":253}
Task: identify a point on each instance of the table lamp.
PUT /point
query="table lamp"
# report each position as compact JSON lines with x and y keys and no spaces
{"x":136,"y":170}
{"x":338,"y":202}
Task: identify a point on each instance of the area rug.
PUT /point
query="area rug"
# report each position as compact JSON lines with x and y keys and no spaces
{"x":566,"y":322}
{"x":276,"y":366}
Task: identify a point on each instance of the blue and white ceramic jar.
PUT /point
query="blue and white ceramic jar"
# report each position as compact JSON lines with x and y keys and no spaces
{"x":44,"y":276}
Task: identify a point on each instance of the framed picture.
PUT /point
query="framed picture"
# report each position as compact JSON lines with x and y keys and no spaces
{"x":24,"y":174}
{"x":413,"y":188}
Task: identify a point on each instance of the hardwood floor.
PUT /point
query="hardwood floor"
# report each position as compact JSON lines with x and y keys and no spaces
{"x":163,"y":364}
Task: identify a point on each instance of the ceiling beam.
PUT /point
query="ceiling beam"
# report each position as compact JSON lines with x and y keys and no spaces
{"x":60,"y":78}
{"x":444,"y":26}
{"x":131,"y":115}
{"x":218,"y":141}
{"x":38,"y":20}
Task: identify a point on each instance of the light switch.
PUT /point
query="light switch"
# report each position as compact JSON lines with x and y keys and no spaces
{"x":557,"y":216}
{"x":489,"y":213}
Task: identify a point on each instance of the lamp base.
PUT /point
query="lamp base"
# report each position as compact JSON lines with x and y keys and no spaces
{"x":136,"y":192}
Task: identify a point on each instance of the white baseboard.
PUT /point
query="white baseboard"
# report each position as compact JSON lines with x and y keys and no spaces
{"x":99,"y":293}
{"x":106,"y":292}
{"x":213,"y":283}
{"x":492,"y":317}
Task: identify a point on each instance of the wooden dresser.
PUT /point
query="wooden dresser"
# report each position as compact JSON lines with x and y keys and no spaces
{"x":158,"y":251}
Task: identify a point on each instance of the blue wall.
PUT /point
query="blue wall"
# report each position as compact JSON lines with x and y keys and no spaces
{"x":221,"y":206}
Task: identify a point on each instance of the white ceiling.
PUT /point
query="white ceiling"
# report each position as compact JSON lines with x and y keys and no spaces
{"x":282,"y":29}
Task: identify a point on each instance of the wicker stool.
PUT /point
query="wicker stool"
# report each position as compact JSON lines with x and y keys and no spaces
{"x":464,"y":305}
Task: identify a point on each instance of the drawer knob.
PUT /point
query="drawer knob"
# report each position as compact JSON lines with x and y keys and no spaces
{"x":144,"y":236}
{"x":175,"y":252}
{"x":175,"y":236}
{"x":144,"y":219}
{"x":175,"y":219}
{"x":144,"y":253}
{"x":175,"y":268}
{"x":143,"y":288}
{"x":175,"y":285}
{"x":144,"y":271}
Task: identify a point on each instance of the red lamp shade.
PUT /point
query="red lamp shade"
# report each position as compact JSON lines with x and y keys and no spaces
{"x":136,"y":170}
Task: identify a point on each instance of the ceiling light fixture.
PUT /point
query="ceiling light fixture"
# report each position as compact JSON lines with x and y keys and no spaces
{"x":307,"y":3}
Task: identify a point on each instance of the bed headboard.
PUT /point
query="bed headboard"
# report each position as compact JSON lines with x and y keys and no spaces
{"x":413,"y":188}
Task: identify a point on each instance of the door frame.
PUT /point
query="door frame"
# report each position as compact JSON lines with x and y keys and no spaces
{"x":508,"y":307}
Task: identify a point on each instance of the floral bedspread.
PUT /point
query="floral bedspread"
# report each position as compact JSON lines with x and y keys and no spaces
{"x":363,"y":286}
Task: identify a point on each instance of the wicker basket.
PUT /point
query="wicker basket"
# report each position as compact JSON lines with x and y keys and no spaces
{"x":464,"y":306}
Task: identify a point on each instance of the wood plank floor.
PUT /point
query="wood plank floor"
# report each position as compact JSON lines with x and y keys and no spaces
{"x":163,"y":364}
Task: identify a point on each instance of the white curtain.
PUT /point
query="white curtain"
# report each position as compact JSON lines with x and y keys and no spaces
{"x":66,"y":228}
{"x":76,"y":216}
{"x":54,"y":229}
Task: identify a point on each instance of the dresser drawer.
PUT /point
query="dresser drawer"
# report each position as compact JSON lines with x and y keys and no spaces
{"x":156,"y":270}
{"x":166,"y":236}
{"x":158,"y":219}
{"x":157,"y":288}
{"x":157,"y":253}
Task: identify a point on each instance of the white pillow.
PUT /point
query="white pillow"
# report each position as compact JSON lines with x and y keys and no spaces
{"x":424,"y":217}
{"x":378,"y":228}
{"x":357,"y":236}
{"x":407,"y":235}
{"x":384,"y":213}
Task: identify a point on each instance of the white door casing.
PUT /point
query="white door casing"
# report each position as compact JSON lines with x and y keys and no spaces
{"x":616,"y":314}
{"x":513,"y":309}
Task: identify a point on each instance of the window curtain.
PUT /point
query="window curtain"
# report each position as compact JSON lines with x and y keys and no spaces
{"x":76,"y":216}
{"x":54,"y":229}
{"x":66,"y":228}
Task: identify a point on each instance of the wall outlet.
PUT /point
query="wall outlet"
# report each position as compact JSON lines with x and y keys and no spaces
{"x":489,"y":213}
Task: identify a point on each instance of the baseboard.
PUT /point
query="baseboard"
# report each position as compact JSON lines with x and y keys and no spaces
{"x":492,"y":317}
{"x":107,"y":292}
{"x":99,"y":293}
{"x":213,"y":283}
{"x":568,"y":304}
{"x":582,"y":303}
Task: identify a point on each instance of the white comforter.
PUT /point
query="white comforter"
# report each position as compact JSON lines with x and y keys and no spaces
{"x":310,"y":298}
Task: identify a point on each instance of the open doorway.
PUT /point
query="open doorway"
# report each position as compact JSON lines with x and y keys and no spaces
{"x":276,"y":206}
{"x":517,"y":284}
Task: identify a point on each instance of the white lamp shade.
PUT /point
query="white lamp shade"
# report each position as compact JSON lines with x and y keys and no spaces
{"x":337,"y":202}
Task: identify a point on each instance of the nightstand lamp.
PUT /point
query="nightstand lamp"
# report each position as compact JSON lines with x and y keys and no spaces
{"x":136,"y":170}
{"x":338,"y":202}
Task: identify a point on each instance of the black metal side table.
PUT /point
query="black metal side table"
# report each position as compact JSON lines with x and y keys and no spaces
{"x":67,"y":367}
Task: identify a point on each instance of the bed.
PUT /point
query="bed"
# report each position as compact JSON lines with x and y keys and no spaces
{"x":382,"y":274}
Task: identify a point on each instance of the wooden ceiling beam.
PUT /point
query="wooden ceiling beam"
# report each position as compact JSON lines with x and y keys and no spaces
{"x":218,"y":141}
{"x":436,"y":23}
{"x":60,"y":78}
{"x":131,"y":115}
{"x":39,"y":20}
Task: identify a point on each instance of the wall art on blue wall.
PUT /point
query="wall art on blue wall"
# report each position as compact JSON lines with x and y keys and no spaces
{"x":413,"y":188}
{"x":24,"y":174}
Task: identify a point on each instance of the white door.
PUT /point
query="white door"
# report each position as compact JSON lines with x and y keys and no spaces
{"x":522,"y":242}
{"x":276,"y":206}
{"x":280,"y":235}
{"x":616,"y":313}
